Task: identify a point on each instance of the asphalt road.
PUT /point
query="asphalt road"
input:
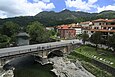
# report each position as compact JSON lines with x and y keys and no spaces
{"x":30,"y":48}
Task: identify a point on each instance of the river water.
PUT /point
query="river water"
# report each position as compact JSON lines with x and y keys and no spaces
{"x":26,"y":66}
{"x":34,"y":70}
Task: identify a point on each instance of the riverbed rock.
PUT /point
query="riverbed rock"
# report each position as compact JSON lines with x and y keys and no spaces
{"x":64,"y":68}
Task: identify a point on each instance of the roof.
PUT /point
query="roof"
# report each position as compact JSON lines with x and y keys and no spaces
{"x":100,"y":20}
{"x":87,"y":22}
{"x":74,"y":26}
{"x":104,"y":20}
{"x":63,"y":27}
{"x":100,"y":30}
{"x":21,"y":34}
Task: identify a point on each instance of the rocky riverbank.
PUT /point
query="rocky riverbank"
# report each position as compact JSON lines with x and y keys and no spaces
{"x":63,"y":67}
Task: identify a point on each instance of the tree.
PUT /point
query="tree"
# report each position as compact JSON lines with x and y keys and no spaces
{"x":4,"y":41}
{"x":96,"y":38}
{"x":84,"y":37}
{"x":9,"y":28}
{"x":38,"y":33}
{"x":111,"y":41}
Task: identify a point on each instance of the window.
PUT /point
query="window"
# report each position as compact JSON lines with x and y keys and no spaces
{"x":94,"y":27}
{"x":104,"y":27}
{"x":99,"y":23}
{"x":111,"y":32}
{"x":113,"y":28}
{"x":91,"y":31}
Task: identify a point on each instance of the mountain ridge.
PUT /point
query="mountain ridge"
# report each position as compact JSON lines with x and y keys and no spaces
{"x":52,"y":18}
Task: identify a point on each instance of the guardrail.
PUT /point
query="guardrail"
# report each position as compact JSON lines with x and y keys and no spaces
{"x":28,"y":50}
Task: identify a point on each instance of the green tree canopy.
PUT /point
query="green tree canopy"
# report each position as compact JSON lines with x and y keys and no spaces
{"x":4,"y":41}
{"x":38,"y":32}
{"x":84,"y":37}
{"x":96,"y":38}
{"x":10,"y":28}
{"x":111,"y":41}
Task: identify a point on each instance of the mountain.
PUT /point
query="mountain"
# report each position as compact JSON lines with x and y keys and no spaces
{"x":107,"y":14}
{"x":51,"y":18}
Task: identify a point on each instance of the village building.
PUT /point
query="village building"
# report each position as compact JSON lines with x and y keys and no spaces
{"x":77,"y":27}
{"x":105,"y":26}
{"x":49,"y":28}
{"x":85,"y":26}
{"x":66,"y":32}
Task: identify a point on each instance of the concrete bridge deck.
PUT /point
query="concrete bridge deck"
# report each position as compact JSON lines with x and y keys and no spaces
{"x":36,"y":47}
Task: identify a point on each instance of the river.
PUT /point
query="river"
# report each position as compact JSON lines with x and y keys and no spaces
{"x":26,"y":66}
{"x":34,"y":70}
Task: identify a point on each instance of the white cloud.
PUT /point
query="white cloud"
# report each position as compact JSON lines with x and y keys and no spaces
{"x":23,"y":7}
{"x":109,"y":7}
{"x":81,"y":5}
{"x":2,"y":14}
{"x":41,"y":0}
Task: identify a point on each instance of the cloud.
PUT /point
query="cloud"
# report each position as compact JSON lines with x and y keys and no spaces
{"x":41,"y":0}
{"x":14,"y":8}
{"x":81,"y":5}
{"x":2,"y":14}
{"x":109,"y":7}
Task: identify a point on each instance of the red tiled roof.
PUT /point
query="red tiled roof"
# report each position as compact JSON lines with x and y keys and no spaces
{"x":101,"y":30}
{"x":87,"y":22}
{"x":104,"y":20}
{"x":100,"y":20}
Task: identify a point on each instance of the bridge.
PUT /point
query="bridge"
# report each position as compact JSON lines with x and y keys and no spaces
{"x":44,"y":50}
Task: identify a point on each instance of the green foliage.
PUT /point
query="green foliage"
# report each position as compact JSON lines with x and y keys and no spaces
{"x":52,"y":18}
{"x":96,"y":38}
{"x":9,"y":28}
{"x":88,"y":52}
{"x":38,"y":32}
{"x":111,"y":41}
{"x":95,"y":70}
{"x":52,"y":32}
{"x":84,"y":37}
{"x":4,"y":41}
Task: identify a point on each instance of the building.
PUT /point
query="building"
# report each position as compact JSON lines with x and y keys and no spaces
{"x":66,"y":32}
{"x":23,"y":39}
{"x":77,"y":27}
{"x":49,"y":28}
{"x":85,"y":26}
{"x":105,"y":26}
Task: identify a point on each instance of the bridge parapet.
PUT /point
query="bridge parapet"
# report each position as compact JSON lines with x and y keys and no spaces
{"x":41,"y":50}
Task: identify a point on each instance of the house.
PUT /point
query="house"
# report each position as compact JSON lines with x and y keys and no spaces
{"x":105,"y":26}
{"x":85,"y":26}
{"x":66,"y":32}
{"x":77,"y":27}
{"x":49,"y":28}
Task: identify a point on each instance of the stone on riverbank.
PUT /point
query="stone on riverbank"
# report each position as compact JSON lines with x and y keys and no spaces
{"x":65,"y":68}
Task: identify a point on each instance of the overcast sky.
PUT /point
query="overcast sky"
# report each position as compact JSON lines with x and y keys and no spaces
{"x":12,"y":8}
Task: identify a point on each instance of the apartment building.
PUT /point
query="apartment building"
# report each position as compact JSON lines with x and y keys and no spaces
{"x":106,"y":26}
{"x":66,"y":32}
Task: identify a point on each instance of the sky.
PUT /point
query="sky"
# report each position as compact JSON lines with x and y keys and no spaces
{"x":13,"y":8}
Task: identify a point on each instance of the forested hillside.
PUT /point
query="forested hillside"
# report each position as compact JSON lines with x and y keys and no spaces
{"x":51,"y":18}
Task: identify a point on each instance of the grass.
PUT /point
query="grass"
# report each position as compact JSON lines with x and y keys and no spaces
{"x":96,"y":71}
{"x":88,"y":65}
{"x":101,"y":53}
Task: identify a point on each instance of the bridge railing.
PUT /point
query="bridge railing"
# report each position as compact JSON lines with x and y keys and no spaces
{"x":32,"y":48}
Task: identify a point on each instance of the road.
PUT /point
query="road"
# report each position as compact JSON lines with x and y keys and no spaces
{"x":35,"y":47}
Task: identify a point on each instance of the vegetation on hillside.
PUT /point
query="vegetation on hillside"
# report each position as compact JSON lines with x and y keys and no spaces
{"x":52,"y":18}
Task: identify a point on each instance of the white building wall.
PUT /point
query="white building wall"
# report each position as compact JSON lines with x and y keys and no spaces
{"x":21,"y":42}
{"x":78,"y":31}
